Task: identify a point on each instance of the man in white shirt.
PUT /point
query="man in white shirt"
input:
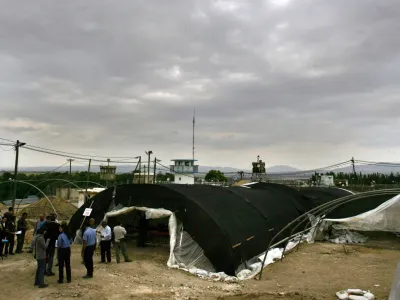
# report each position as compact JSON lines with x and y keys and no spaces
{"x":120,"y":245}
{"x":105,"y":244}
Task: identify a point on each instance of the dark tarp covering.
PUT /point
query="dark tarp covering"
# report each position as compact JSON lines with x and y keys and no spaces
{"x":322,"y":195}
{"x":359,"y":206}
{"x":300,"y":200}
{"x":311,"y":197}
{"x":231,"y":225}
{"x":317,"y":196}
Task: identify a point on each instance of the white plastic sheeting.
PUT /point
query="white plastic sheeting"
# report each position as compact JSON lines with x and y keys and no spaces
{"x":386,"y":217}
{"x":324,"y":231}
{"x":355,"y":294}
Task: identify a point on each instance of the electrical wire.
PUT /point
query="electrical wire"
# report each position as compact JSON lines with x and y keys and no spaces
{"x":381,"y":164}
{"x":7,"y":140}
{"x":78,"y":154}
{"x":76,"y":157}
{"x":12,"y":148}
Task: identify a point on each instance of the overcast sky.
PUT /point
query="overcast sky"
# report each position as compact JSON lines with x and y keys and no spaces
{"x":303,"y":83}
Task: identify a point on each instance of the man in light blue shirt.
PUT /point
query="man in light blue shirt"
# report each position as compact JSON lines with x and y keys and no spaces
{"x":88,"y":248}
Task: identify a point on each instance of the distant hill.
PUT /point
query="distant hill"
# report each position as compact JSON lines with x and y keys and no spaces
{"x":130,"y":168}
{"x":367,"y":169}
{"x":281,"y":169}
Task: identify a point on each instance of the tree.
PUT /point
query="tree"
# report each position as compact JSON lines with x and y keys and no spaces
{"x":217,"y":176}
{"x":165,"y":177}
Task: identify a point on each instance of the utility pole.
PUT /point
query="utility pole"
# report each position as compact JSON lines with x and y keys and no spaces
{"x":87,"y":178}
{"x":155,"y":166}
{"x":154,"y":170}
{"x":140,"y":168}
{"x":194,"y":121}
{"x":148,"y":165}
{"x":17,"y":145}
{"x":70,"y":166}
{"x":354,"y":170}
{"x":70,"y":175}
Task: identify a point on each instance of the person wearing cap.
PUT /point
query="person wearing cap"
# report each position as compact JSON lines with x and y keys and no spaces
{"x":105,"y":244}
{"x":88,"y":248}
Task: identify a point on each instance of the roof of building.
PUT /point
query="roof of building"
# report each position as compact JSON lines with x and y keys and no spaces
{"x":184,"y":159}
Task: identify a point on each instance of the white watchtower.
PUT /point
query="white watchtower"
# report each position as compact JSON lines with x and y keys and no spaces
{"x":184,"y":170}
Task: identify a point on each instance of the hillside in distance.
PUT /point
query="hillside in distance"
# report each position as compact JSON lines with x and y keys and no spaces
{"x":365,"y":169}
{"x":130,"y":168}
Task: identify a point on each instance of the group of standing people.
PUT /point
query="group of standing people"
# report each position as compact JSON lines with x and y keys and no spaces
{"x":53,"y":240}
{"x":106,"y":236}
{"x":8,"y":231}
{"x":49,"y":237}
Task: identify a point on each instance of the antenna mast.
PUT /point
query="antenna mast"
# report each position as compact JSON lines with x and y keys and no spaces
{"x":194,"y":121}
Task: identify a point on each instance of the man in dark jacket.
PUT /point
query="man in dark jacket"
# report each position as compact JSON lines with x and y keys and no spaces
{"x":22,"y":225}
{"x":9,"y":214}
{"x":52,"y":232}
{"x":9,"y":249}
{"x":3,"y":233}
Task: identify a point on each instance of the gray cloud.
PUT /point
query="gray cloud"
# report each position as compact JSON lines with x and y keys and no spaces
{"x":305,"y":82}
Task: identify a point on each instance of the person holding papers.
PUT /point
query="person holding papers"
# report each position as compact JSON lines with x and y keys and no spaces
{"x":105,"y":244}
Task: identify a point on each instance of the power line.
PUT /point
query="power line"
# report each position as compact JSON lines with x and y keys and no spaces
{"x":382,"y":164}
{"x":12,"y":148}
{"x":7,"y":140}
{"x":78,"y":154}
{"x":69,"y":154}
{"x":74,"y":157}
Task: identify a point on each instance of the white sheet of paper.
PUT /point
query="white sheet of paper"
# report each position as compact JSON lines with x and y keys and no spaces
{"x":19,"y":232}
{"x":87,"y":212}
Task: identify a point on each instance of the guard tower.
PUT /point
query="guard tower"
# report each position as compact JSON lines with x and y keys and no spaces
{"x":184,"y":170}
{"x":259,"y":173}
{"x":107,"y":173}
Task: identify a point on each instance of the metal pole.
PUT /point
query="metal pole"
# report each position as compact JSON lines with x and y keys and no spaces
{"x":140,"y":168}
{"x":194,"y":122}
{"x":154,"y":171}
{"x":148,"y":167}
{"x":70,"y":177}
{"x":15,"y":174}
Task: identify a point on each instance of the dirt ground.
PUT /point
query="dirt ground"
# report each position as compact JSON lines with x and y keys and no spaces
{"x":315,"y":271}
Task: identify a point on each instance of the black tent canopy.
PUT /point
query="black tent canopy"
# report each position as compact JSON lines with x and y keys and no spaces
{"x":231,"y":225}
{"x":312,"y":197}
{"x":317,"y":196}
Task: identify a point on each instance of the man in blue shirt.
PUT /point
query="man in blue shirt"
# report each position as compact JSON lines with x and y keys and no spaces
{"x":88,"y":248}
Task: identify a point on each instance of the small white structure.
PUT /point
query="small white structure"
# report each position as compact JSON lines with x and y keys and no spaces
{"x":90,"y":192}
{"x":184,"y":170}
{"x":143,"y":177}
{"x":326,"y":180}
